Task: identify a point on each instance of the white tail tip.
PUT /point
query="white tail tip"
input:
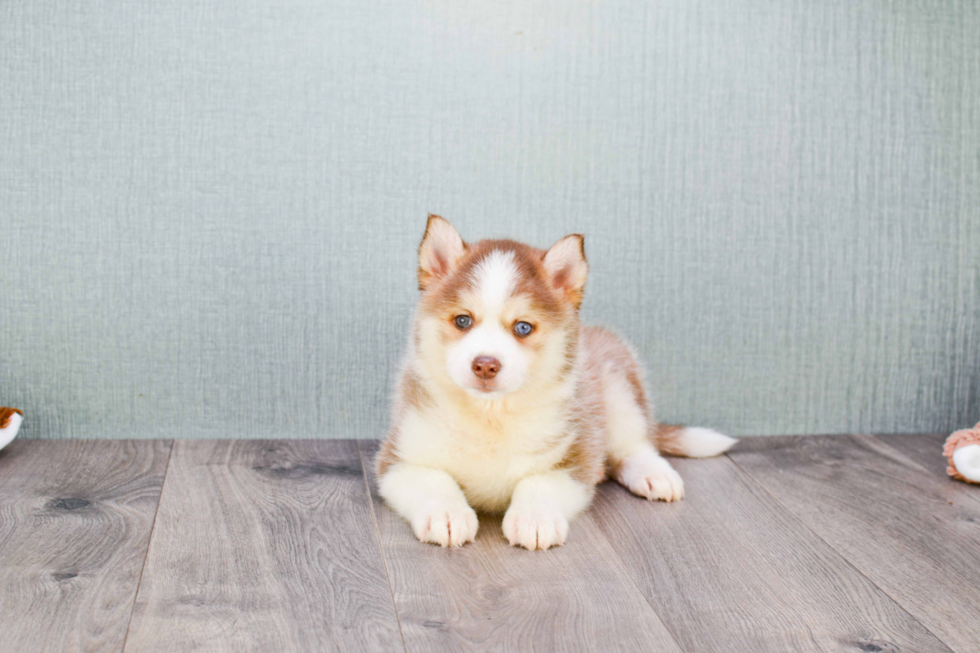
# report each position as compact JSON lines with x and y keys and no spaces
{"x":697,"y":442}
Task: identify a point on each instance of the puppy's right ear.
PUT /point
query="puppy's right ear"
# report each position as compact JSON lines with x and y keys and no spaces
{"x":439,"y":252}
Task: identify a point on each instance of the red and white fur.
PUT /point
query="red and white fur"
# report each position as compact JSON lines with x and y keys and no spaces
{"x":488,"y":416}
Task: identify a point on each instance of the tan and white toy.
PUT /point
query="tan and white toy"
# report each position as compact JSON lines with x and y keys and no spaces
{"x":963,"y":452}
{"x":10,"y":419}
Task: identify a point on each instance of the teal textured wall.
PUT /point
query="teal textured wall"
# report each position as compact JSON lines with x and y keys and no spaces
{"x":209,"y":211}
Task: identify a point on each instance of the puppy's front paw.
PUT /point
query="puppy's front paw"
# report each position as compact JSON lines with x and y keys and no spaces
{"x":446,"y":524}
{"x":535,"y":526}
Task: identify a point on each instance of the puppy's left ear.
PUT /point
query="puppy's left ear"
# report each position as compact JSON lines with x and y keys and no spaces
{"x":567,"y":268}
{"x":439,"y":252}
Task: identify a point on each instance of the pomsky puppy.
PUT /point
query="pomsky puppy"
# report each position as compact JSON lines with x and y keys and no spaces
{"x":504,"y":402}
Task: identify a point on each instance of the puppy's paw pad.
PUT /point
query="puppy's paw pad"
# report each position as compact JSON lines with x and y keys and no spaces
{"x":446,"y":525}
{"x":535,"y":527}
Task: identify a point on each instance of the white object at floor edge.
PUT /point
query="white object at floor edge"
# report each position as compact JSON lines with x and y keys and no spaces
{"x":8,"y":434}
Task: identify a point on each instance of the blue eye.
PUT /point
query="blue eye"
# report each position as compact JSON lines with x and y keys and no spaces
{"x":523,"y":329}
{"x":462,"y":321}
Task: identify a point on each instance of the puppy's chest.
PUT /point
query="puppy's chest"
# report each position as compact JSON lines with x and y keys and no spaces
{"x":488,"y":460}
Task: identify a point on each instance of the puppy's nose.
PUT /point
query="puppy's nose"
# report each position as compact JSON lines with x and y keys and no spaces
{"x":486,"y":367}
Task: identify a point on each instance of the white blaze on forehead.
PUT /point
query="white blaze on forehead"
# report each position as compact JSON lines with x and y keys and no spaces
{"x":493,"y":283}
{"x":494,"y":280}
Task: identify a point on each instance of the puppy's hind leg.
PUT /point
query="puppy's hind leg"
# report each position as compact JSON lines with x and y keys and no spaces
{"x":648,"y":474}
{"x":633,"y":460}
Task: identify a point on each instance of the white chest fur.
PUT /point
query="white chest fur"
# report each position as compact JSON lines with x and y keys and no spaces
{"x":487,"y":454}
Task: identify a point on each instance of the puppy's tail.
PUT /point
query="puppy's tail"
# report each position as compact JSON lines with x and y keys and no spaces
{"x":690,"y":441}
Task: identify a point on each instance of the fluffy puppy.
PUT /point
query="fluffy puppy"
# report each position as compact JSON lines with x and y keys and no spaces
{"x":504,"y":402}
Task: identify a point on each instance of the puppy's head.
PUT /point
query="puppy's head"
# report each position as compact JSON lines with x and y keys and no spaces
{"x":498,"y":317}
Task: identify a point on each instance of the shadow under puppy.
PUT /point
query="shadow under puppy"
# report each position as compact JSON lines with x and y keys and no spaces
{"x":505,"y":402}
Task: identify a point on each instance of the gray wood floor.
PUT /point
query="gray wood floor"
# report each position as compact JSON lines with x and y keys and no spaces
{"x":826,"y":543}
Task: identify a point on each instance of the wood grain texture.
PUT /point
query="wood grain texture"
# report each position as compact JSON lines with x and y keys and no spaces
{"x":729,"y":569}
{"x":924,"y":448}
{"x":915,"y":534}
{"x":266,"y":546}
{"x":927,"y":450}
{"x":75,"y":520}
{"x":490,"y":596}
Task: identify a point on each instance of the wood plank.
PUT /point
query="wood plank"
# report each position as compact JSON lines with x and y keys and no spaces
{"x":264,"y":546}
{"x":926,"y":449}
{"x":490,"y":596}
{"x":75,"y":520}
{"x":912,"y":532}
{"x":729,"y":569}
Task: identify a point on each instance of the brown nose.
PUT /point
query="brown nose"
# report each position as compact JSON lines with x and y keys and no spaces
{"x":486,"y":367}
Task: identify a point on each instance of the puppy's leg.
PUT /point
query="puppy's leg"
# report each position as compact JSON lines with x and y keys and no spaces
{"x":431,"y":501}
{"x":541,"y":507}
{"x":633,"y":460}
{"x":648,"y":474}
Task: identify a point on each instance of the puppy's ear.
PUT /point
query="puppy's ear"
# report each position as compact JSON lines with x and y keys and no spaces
{"x":439,"y":252}
{"x":566,"y":266}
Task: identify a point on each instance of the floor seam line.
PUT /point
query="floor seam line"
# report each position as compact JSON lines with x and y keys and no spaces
{"x":639,"y":589}
{"x":149,"y":540}
{"x":377,"y":535}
